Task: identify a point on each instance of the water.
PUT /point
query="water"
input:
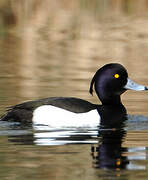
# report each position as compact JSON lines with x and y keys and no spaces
{"x":55,"y":53}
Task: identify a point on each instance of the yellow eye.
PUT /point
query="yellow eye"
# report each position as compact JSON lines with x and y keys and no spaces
{"x":116,"y":76}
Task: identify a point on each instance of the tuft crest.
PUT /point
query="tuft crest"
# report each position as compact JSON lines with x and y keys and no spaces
{"x":92,"y":84}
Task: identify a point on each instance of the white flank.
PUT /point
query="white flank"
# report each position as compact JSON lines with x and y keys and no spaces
{"x":57,"y":117}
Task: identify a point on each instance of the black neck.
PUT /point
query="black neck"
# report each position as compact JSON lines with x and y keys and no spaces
{"x":110,"y":100}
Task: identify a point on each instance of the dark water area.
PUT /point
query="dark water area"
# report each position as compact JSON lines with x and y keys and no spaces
{"x":55,"y":51}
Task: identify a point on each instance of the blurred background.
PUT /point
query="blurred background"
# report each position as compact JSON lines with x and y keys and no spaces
{"x":53,"y":48}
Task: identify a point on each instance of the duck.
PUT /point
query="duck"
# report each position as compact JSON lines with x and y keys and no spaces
{"x":109,"y":82}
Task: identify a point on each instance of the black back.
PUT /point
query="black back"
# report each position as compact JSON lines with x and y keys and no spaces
{"x":23,"y":112}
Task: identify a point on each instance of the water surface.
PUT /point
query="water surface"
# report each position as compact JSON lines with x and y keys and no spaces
{"x":55,"y":53}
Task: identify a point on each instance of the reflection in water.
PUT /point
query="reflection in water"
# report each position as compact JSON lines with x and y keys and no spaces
{"x":109,"y":153}
{"x":66,"y":137}
{"x":52,"y":137}
{"x":104,"y":144}
{"x":107,"y":149}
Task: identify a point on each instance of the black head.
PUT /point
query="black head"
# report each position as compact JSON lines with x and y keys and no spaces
{"x":109,"y":82}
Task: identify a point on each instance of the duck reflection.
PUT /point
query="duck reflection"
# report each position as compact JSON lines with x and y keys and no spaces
{"x":109,"y":152}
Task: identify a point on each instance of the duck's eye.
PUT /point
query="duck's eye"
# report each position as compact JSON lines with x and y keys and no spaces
{"x":116,"y":76}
